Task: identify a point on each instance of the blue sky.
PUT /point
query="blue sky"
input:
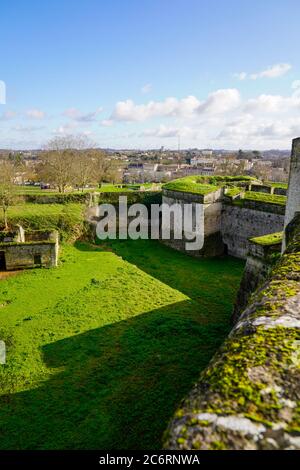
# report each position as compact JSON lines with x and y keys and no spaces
{"x":138,"y":74}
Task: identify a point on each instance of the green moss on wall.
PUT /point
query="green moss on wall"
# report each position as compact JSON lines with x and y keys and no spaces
{"x":271,"y":239}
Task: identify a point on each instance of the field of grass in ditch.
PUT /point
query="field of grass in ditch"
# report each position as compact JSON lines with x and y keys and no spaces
{"x":101,"y":349}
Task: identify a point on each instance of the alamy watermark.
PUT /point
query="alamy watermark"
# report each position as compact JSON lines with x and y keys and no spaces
{"x":162,"y":221}
{"x":2,"y":92}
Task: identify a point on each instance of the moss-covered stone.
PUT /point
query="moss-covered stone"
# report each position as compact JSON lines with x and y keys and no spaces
{"x":249,"y":395}
{"x":271,"y":239}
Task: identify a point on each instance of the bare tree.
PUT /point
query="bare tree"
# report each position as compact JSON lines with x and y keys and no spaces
{"x":86,"y":167}
{"x":105,"y":169}
{"x":7,"y":188}
{"x":73,"y":160}
{"x":58,"y":162}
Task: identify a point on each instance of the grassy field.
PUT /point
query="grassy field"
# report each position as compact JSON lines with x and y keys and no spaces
{"x":101,"y":349}
{"x":63,"y":217}
{"x":105,"y":188}
{"x":264,"y":197}
{"x":203,"y":185}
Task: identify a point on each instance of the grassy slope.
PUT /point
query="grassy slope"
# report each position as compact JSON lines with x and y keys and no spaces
{"x":101,"y":349}
{"x":64,"y":217}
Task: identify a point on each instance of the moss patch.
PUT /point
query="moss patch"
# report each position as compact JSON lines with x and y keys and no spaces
{"x":271,"y":239}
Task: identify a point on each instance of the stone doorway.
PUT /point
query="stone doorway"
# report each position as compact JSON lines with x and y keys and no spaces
{"x":2,"y":261}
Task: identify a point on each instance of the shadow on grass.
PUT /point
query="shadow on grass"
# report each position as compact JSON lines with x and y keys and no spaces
{"x":116,"y":387}
{"x":214,"y":279}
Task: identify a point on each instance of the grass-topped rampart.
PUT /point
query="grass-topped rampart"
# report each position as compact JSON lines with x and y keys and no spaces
{"x":68,"y":219}
{"x":204,"y":185}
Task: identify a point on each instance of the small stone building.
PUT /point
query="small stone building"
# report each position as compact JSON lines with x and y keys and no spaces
{"x":30,"y":249}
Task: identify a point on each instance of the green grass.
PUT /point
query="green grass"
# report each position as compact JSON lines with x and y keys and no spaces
{"x":187,"y":186}
{"x":264,"y":197}
{"x":277,"y":185}
{"x":234,"y":191}
{"x":101,"y":349}
{"x":271,"y":239}
{"x":64,"y":217}
{"x":121,"y":188}
{"x":203,"y":185}
{"x":37,"y":191}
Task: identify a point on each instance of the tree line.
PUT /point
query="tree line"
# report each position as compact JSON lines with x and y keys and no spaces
{"x":74,"y":162}
{"x":69,"y":162}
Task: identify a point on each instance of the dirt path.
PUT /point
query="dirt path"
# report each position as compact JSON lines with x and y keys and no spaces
{"x":5,"y":274}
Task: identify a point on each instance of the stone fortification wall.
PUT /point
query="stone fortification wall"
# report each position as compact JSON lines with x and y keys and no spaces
{"x":249,"y":397}
{"x":260,"y":260}
{"x":228,"y":225}
{"x":212,"y":212}
{"x":240,"y":223}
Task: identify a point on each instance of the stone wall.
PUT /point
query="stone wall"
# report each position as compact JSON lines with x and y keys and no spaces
{"x":238,"y":224}
{"x":39,"y":250}
{"x":260,"y":260}
{"x":280,"y":191}
{"x":228,"y":226}
{"x":26,"y":255}
{"x":212,"y":207}
{"x":261,"y":188}
{"x":249,"y":396}
{"x":293,"y":202}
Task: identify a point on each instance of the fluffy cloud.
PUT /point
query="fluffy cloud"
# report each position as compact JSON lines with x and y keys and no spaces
{"x":249,"y":131}
{"x":129,"y":111}
{"x":35,"y":114}
{"x":223,"y":119}
{"x":274,"y":71}
{"x":219,"y":101}
{"x":274,"y":103}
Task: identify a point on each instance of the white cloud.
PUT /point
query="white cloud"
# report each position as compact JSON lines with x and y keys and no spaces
{"x":146,"y":88}
{"x":273,"y":103}
{"x":66,"y":128}
{"x":219,"y":101}
{"x":129,"y":111}
{"x":168,"y":132}
{"x":274,"y":71}
{"x":35,"y":114}
{"x":223,"y":119}
{"x":74,"y":113}
{"x":264,"y":133}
